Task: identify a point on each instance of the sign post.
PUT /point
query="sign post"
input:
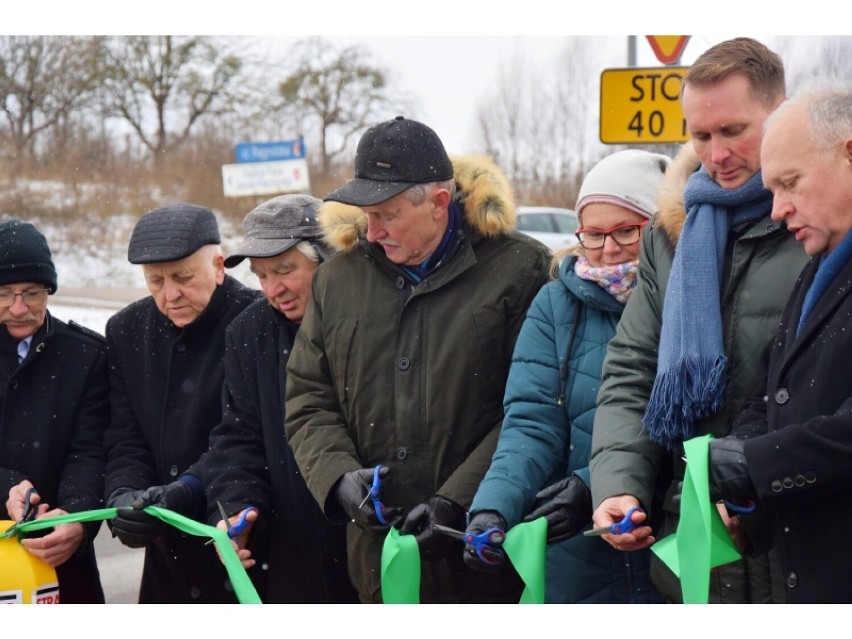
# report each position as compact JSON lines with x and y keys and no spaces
{"x":265,"y":168}
{"x":263,"y":178}
{"x":642,"y":106}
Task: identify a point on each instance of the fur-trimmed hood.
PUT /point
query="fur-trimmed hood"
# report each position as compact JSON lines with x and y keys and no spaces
{"x":670,"y":197}
{"x":489,"y":204}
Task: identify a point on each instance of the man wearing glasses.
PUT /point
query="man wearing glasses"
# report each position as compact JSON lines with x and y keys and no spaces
{"x":53,"y":411}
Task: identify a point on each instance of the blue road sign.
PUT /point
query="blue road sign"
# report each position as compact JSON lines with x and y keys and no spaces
{"x":270,"y":151}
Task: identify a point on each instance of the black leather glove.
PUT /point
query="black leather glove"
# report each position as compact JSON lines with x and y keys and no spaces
{"x":567,"y":506}
{"x":729,"y":478}
{"x":136,"y":528}
{"x":351,"y":491}
{"x":495,"y":558}
{"x":420,"y":521}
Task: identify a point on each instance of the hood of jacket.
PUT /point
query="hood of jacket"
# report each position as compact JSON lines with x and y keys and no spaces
{"x":672,"y":213}
{"x":481,"y":187}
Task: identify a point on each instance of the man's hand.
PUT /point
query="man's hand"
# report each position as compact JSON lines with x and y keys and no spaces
{"x":132,"y":525}
{"x":420,"y":521}
{"x":16,"y":505}
{"x":241,"y":541}
{"x":58,"y":546}
{"x":567,"y":506}
{"x":729,"y":477}
{"x":352,"y":493}
{"x":479,"y":523}
{"x":613,"y":510}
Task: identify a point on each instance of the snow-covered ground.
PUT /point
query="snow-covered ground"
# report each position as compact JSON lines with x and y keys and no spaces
{"x":90,"y":317}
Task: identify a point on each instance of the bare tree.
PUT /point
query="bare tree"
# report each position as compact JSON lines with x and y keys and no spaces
{"x":162,"y":86}
{"x":44,"y":80}
{"x":809,"y":59}
{"x":541,"y":125}
{"x":334,"y":93}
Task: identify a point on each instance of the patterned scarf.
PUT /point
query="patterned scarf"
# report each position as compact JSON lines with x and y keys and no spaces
{"x":618,"y":280}
{"x":690,"y":382}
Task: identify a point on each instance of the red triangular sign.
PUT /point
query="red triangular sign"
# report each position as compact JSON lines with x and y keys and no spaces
{"x":667,"y":48}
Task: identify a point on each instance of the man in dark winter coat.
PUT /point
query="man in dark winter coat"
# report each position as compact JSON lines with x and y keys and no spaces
{"x":714,"y":273}
{"x":401,"y":360}
{"x":296,"y":554}
{"x":166,"y":375}
{"x":54,"y":393}
{"x":791,"y":449}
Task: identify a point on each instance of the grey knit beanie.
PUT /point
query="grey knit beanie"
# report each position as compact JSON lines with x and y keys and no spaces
{"x":627,"y":178}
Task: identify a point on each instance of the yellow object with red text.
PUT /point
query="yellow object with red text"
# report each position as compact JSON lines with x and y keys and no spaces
{"x":24,"y":578}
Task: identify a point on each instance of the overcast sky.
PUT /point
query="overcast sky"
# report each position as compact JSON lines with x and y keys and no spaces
{"x":445,"y":53}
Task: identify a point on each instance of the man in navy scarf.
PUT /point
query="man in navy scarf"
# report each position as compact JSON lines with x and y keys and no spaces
{"x":798,"y":469}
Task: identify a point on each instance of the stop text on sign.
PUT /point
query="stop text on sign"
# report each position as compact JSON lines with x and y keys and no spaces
{"x":642,"y":106}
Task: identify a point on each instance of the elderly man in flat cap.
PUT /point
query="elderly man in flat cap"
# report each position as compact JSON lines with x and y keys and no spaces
{"x":53,"y":412}
{"x":296,"y":555}
{"x":166,"y":373}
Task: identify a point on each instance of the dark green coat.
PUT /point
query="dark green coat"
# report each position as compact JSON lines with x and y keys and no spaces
{"x":412,"y":377}
{"x":761,"y":266}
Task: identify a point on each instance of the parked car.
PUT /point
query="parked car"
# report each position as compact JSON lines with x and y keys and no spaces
{"x":554,"y":227}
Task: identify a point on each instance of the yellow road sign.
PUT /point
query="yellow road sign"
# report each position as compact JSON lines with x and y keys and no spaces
{"x":642,"y":106}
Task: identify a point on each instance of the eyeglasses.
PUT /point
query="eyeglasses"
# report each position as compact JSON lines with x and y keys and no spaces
{"x":623,"y":235}
{"x":33,"y":297}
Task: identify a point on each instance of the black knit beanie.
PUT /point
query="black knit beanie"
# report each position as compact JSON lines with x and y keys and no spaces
{"x":25,"y":256}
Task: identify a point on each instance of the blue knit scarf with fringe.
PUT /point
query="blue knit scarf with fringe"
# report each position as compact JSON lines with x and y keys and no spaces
{"x":690,"y":382}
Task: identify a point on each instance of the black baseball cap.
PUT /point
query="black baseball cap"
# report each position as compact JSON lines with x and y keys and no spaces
{"x":171,"y":233}
{"x":391,"y":157}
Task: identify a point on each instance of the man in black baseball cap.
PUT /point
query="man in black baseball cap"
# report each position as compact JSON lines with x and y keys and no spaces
{"x":165,"y":354}
{"x":398,"y":369}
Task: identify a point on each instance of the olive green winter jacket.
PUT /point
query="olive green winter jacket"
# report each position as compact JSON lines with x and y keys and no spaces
{"x":762,"y":262}
{"x":412,"y":376}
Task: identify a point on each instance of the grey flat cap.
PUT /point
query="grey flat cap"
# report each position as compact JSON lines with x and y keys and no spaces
{"x":171,"y":233}
{"x":278,"y":225}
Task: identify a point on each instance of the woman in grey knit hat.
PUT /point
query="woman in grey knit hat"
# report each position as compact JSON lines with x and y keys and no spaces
{"x":540,"y":467}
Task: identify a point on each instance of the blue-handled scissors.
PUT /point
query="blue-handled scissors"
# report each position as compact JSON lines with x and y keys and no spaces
{"x":618,"y":528}
{"x":373,"y":493}
{"x":235,"y":529}
{"x":487,"y":544}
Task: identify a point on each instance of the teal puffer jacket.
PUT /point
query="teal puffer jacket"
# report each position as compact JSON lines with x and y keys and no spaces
{"x":547,"y":435}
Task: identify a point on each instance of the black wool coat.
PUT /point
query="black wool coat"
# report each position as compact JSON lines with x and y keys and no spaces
{"x":301,"y":557}
{"x":165,"y":397}
{"x":802,"y":467}
{"x":54,"y":413}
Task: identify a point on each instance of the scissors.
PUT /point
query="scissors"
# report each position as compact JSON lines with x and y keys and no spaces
{"x":373,"y":493}
{"x":235,"y":529}
{"x":30,"y":511}
{"x":487,"y":544}
{"x":618,"y":528}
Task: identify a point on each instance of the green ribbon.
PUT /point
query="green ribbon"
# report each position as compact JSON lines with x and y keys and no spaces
{"x":243,"y":588}
{"x":701,"y":541}
{"x":525,"y":547}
